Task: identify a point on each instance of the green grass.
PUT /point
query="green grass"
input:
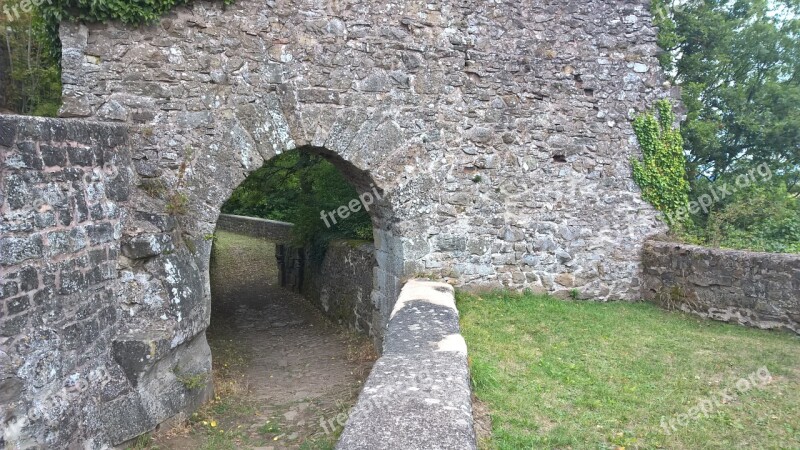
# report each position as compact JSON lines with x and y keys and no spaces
{"x":584,"y":375}
{"x":323,"y":443}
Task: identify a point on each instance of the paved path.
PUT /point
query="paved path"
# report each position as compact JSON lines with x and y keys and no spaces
{"x":300,"y":369}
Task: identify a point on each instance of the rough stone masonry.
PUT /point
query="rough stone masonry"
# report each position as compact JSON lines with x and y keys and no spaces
{"x":498,"y":134}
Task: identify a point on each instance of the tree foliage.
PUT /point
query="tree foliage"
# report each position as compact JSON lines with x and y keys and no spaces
{"x":761,"y":217}
{"x":295,"y":187}
{"x":738,"y":63}
{"x":31,"y":77}
{"x":661,"y":174}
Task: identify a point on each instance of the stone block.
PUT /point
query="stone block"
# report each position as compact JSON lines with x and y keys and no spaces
{"x":146,"y":245}
{"x":100,"y":233}
{"x":8,"y":130}
{"x":14,"y":250}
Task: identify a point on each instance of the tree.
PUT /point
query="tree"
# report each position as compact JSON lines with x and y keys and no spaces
{"x":32,"y":79}
{"x":295,"y":187}
{"x":738,"y":63}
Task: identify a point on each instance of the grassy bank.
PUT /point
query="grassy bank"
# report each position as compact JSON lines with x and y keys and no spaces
{"x":563,"y":374}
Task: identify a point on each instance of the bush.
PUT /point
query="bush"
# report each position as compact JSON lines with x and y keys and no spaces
{"x":762,"y":217}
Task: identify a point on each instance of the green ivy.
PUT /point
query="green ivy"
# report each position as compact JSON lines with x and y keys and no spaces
{"x":662,"y":172}
{"x":126,"y":11}
{"x":132,"y":12}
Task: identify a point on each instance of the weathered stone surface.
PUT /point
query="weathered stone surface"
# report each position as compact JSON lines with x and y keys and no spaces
{"x":418,"y":394}
{"x":497,"y":140}
{"x":755,"y":289}
{"x":505,"y":138}
{"x":144,"y":246}
{"x":14,"y":250}
{"x":341,"y":284}
{"x":8,"y":131}
{"x":64,"y":304}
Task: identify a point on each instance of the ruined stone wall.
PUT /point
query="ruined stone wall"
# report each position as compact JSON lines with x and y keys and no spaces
{"x":63,"y":185}
{"x":497,"y":135}
{"x":498,"y":132}
{"x":64,"y":196}
{"x":86,"y":357}
{"x":755,"y":289}
{"x":340,"y":282}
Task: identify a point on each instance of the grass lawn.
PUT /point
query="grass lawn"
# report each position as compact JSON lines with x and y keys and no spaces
{"x":583,"y":375}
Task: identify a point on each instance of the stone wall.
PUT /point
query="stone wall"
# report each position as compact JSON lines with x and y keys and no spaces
{"x":340,"y":283}
{"x":66,"y":375}
{"x":755,"y":289}
{"x":62,"y":189}
{"x":497,"y":133}
{"x":253,"y":226}
{"x":418,"y":395}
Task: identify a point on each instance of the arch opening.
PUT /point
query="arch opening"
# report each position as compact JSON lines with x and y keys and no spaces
{"x":292,"y":274}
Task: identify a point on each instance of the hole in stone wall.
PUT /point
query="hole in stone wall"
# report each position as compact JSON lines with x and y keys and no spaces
{"x":559,"y":158}
{"x":578,"y":81}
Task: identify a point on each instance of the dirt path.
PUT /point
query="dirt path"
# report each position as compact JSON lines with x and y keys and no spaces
{"x":283,"y":373}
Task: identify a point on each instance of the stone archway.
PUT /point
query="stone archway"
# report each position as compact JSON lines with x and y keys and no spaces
{"x":166,"y":274}
{"x":500,"y":136}
{"x":370,"y":313}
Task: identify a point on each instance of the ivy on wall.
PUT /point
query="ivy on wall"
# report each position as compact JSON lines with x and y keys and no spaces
{"x":661,"y":174}
{"x":126,"y":11}
{"x":132,"y":12}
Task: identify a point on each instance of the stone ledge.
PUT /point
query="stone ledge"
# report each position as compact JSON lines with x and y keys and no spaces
{"x":256,"y":227}
{"x":749,"y":288}
{"x":418,"y":394}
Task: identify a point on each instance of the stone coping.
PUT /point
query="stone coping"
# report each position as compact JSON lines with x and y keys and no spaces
{"x":256,"y":219}
{"x":418,"y":394}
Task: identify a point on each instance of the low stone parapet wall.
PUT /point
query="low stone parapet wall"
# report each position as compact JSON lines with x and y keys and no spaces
{"x":341,"y":284}
{"x":418,"y":393}
{"x":253,"y":226}
{"x":750,"y":288}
